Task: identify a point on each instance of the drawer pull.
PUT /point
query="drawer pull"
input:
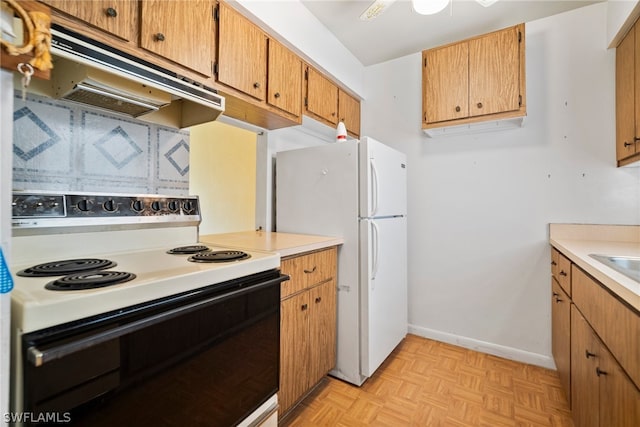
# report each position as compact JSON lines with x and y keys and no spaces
{"x":318,"y":299}
{"x":555,"y":294}
{"x":159,"y":37}
{"x":558,"y":299}
{"x":554,"y":263}
{"x":600,"y":372}
{"x":587,"y":354}
{"x":313,"y":270}
{"x":111,"y":12}
{"x":562,"y":273}
{"x":304,"y":307}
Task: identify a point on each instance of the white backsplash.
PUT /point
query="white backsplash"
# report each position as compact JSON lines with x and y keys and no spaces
{"x":59,"y":145}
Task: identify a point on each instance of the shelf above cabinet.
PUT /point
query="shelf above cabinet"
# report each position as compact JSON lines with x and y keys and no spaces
{"x":477,"y":127}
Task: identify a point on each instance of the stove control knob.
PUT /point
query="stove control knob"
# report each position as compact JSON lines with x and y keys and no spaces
{"x":187,"y":206}
{"x":109,"y":205}
{"x":155,"y":205}
{"x":84,"y":205}
{"x":137,"y":205}
{"x":173,"y":206}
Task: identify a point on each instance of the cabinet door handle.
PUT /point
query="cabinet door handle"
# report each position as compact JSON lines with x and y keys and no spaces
{"x":562,"y":273}
{"x":479,"y":104}
{"x":159,"y":37}
{"x":256,"y":85}
{"x":555,"y":294}
{"x":111,"y":12}
{"x":303,"y":307}
{"x":600,"y":372}
{"x":313,"y":270}
{"x":628,"y":144}
{"x":276,"y":95}
{"x":554,"y":263}
{"x":318,"y":299}
{"x":558,"y":299}
{"x":457,"y":108}
{"x":588,"y":354}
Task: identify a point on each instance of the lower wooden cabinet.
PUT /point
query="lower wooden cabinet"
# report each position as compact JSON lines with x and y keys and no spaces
{"x":596,"y":347}
{"x":307,"y":324}
{"x":602,"y":395}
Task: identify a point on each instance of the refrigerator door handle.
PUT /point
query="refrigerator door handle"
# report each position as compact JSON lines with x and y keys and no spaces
{"x":375,"y":243}
{"x":374,"y":188}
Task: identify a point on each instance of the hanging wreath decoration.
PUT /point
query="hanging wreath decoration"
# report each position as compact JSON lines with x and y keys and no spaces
{"x":38,"y":26}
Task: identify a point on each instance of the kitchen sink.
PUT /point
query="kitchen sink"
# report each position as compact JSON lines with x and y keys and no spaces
{"x":627,"y":265}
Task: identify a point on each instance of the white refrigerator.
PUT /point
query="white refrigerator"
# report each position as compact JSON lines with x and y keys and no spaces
{"x":356,"y":190}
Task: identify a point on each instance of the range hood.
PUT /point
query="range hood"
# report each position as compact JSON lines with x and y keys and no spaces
{"x":92,"y":73}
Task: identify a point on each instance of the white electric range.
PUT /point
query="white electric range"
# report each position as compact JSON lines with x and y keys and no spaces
{"x":202,"y":303}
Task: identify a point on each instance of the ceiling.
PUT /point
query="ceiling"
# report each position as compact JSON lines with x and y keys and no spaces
{"x":400,"y":31}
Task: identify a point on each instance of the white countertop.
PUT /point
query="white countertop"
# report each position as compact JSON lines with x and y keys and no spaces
{"x":577,"y":241}
{"x":286,"y":244}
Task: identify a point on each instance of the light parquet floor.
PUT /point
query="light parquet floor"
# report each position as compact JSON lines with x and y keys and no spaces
{"x":429,"y":383}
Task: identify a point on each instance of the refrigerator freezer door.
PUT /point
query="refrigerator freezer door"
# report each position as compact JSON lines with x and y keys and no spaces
{"x":317,"y":193}
{"x":383,"y":297}
{"x":383,"y":180}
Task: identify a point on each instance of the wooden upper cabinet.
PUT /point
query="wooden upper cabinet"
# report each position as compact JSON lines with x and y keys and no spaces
{"x":182,"y":32}
{"x":116,"y":17}
{"x":349,"y":112}
{"x":466,"y":81}
{"x":242,"y":53}
{"x":494,"y":72}
{"x":322,"y":97}
{"x":446,"y":83}
{"x":628,"y":95}
{"x":285,"y":79}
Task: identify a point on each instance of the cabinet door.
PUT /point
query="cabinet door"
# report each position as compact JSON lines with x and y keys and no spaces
{"x":294,"y":349}
{"x":242,"y":54}
{"x":627,"y":102}
{"x":322,"y":330}
{"x":561,"y":335}
{"x":349,"y":112}
{"x":285,"y":79}
{"x":619,"y":398}
{"x":445,"y":80}
{"x":585,"y":351}
{"x":117,"y":17}
{"x":494,"y":73}
{"x":322,"y":96}
{"x":179,"y":31}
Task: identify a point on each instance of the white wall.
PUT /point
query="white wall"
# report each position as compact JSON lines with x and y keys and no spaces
{"x":479,"y":205}
{"x":621,"y":14}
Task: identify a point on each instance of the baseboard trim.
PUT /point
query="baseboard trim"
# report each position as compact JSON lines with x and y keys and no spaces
{"x":485,"y":347}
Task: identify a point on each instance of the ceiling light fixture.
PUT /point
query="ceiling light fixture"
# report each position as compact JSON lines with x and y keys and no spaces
{"x":486,"y":3}
{"x":376,"y":8}
{"x":429,"y":7}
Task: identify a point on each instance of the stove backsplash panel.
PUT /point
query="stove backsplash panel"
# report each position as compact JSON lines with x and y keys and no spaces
{"x":59,"y":145}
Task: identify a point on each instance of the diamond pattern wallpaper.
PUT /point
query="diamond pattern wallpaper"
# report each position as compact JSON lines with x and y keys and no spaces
{"x":59,"y":145}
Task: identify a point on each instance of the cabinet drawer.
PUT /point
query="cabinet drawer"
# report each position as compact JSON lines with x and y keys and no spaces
{"x":617,"y":325}
{"x":564,"y":273}
{"x":307,"y":270}
{"x":555,"y":259}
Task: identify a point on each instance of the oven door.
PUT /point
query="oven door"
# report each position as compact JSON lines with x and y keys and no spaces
{"x":203,"y":358}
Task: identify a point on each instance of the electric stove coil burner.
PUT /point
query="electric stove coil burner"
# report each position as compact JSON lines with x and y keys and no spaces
{"x":219,"y":256}
{"x":64,"y":267}
{"x":188,"y":250}
{"x":89,"y":280}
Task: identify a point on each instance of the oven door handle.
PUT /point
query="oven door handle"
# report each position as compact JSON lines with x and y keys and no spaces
{"x":39,"y":357}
